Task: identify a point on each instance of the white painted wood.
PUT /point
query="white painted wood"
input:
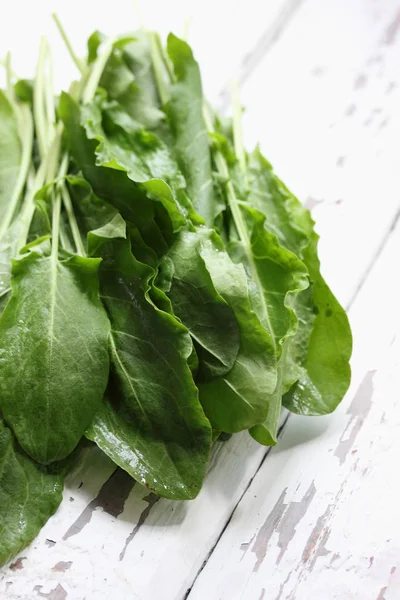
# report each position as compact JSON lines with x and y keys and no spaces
{"x":320,"y":519}
{"x":285,"y":96}
{"x":324,"y":103}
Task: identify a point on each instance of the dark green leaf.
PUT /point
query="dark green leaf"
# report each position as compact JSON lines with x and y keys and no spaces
{"x":191,"y":143}
{"x":209,"y":318}
{"x":152,"y":424}
{"x":318,"y":357}
{"x":29,"y":495}
{"x":128,"y":78}
{"x":53,"y":353}
{"x":111,"y":183}
{"x":241,"y":397}
{"x":10,"y":153}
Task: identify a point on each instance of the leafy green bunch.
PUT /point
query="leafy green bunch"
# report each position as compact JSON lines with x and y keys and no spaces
{"x":159,"y":285}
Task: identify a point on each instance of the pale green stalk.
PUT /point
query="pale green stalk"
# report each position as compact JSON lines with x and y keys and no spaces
{"x":55,"y":224}
{"x":96,"y":72}
{"x":9,"y":86}
{"x":80,"y":64}
{"x":50,"y":110}
{"x":237,"y":129}
{"x":165,"y":59}
{"x":69,"y":208}
{"x":38,"y":99}
{"x":240,"y":224}
{"x":158,"y":68}
{"x":27,"y":142}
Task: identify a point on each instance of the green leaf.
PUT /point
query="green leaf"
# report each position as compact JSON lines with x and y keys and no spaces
{"x":93,"y":44}
{"x":125,"y":145}
{"x":8,"y":251}
{"x":10,"y":153}
{"x":128,"y":78}
{"x":111,"y":183}
{"x":318,"y":357}
{"x":276,"y":276}
{"x":191,"y":143}
{"x":152,"y":424}
{"x":209,"y":318}
{"x":24,"y":90}
{"x":29,"y":495}
{"x":53,"y":353}
{"x":241,"y":397}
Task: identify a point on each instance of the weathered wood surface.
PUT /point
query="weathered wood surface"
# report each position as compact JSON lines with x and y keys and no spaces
{"x":320,"y":519}
{"x":324,"y":103}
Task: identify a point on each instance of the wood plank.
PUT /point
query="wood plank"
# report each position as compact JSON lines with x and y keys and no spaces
{"x":168,"y":542}
{"x":320,"y":517}
{"x":324,"y":103}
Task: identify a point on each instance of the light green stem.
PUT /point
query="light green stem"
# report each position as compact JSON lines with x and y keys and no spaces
{"x":237,"y":130}
{"x":165,"y":59}
{"x":38,"y":100}
{"x":240,"y":224}
{"x":81,"y":66}
{"x":29,"y":204}
{"x":158,"y":68}
{"x":49,"y":96}
{"x":55,"y":224}
{"x":96,"y":72}
{"x":9,"y":86}
{"x":53,"y":154}
{"x":27,"y":142}
{"x":69,"y":208}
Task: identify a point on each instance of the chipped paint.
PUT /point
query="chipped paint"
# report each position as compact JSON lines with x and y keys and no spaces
{"x":151,"y":499}
{"x":18,"y":564}
{"x":392,"y":30}
{"x":350,"y":110}
{"x":311,"y":546}
{"x":50,"y":543}
{"x":58,"y":593}
{"x":340,"y":161}
{"x":62,"y":566}
{"x":360,"y":81}
{"x":263,"y":536}
{"x":283,"y":520}
{"x":282,"y":586}
{"x":292,"y":516}
{"x":381,"y":595}
{"x":311,"y":203}
{"x":358,"y":409}
{"x":111,"y":499}
{"x":246,"y":545}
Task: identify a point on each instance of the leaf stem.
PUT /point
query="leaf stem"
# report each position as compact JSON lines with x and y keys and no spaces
{"x":96,"y":72}
{"x":156,"y":55}
{"x":157,"y":67}
{"x":81,"y":66}
{"x":237,"y":130}
{"x":66,"y":198}
{"x":49,"y":96}
{"x":9,"y":75}
{"x":38,"y":100}
{"x":240,"y":224}
{"x":165,"y":59}
{"x":27,"y":142}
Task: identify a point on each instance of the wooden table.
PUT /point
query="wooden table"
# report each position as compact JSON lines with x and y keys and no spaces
{"x":317,"y":516}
